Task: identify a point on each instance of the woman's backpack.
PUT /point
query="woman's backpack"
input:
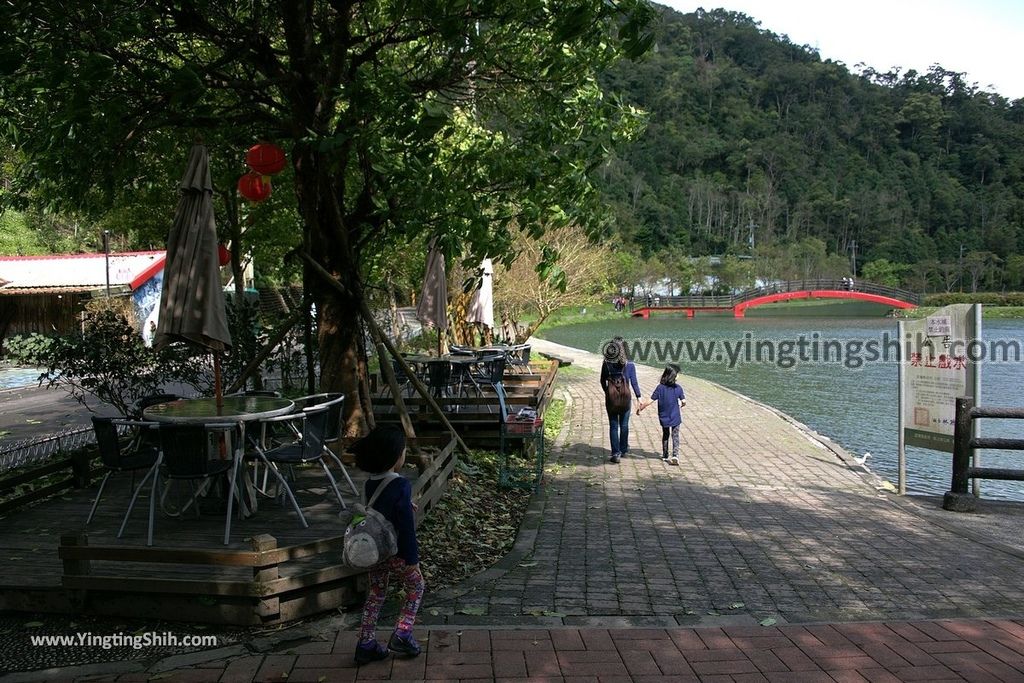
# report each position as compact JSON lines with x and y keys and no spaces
{"x":617,"y":398}
{"x":369,"y":537}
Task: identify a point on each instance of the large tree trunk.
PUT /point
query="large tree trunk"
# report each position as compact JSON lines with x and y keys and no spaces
{"x":340,"y":359}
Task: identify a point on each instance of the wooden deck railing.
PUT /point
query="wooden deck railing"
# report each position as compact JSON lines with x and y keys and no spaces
{"x":274,"y":588}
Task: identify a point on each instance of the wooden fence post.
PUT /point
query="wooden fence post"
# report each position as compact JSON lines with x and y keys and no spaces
{"x":958,"y":499}
{"x":263,"y":574}
{"x":75,"y":567}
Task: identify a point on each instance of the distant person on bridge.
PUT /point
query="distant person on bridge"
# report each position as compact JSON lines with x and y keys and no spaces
{"x":670,"y":398}
{"x":617,"y":375}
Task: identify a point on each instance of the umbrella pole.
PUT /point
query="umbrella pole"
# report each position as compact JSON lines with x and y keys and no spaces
{"x":218,"y":390}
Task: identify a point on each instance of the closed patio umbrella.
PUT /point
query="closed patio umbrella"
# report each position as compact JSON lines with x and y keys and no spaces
{"x":192,"y":305}
{"x":432,"y":310}
{"x":481,"y":307}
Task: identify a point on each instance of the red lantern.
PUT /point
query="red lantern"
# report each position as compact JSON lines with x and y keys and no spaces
{"x":254,"y":187}
{"x":266,"y":159}
{"x":223,"y":255}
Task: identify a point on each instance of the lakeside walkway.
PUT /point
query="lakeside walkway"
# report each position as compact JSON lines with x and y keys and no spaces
{"x":749,"y":562}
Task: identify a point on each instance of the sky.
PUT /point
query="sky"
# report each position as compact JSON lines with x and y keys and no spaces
{"x":982,"y":38}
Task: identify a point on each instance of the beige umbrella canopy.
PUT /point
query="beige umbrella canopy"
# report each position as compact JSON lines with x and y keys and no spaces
{"x":192,"y":305}
{"x":432,"y":309}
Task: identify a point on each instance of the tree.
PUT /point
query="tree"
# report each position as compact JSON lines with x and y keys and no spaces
{"x":884,"y":272}
{"x":473,"y":121}
{"x":530,"y":285}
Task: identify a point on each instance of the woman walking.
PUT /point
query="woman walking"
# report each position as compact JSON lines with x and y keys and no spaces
{"x":618,"y":374}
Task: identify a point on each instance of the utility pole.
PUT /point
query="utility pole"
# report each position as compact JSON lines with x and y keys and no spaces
{"x":750,"y":238}
{"x":960,"y":269}
{"x":853,"y":257}
{"x":106,"y":251}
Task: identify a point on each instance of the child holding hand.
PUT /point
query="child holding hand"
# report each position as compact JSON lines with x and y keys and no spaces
{"x":670,"y":398}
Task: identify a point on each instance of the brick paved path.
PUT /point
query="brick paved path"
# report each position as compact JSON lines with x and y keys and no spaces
{"x":761,"y":537}
{"x":759,"y":520}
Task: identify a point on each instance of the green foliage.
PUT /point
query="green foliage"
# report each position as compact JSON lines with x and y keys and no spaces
{"x":109,"y":361}
{"x":27,"y":349}
{"x":986,"y":298}
{"x":883,"y":272}
{"x":756,"y":145}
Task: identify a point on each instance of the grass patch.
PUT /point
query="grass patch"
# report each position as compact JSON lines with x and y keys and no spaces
{"x":554,"y":416}
{"x":574,"y":371}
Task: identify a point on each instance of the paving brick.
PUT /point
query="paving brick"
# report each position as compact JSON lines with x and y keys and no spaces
{"x":942,"y":646}
{"x":241,"y":670}
{"x":543,"y":664}
{"x":733,"y":666}
{"x":686,"y":639}
{"x":474,"y":641}
{"x":509,"y":664}
{"x":321,"y":676}
{"x":672,"y":663}
{"x":596,"y":639}
{"x":567,"y":639}
{"x":912,"y":653}
{"x":275,"y":668}
{"x":795,"y":659}
{"x":924,"y":673}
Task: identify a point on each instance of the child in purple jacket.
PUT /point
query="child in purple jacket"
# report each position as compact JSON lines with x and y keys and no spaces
{"x":670,"y":398}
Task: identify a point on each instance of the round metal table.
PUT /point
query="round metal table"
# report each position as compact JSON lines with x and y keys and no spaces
{"x":233,"y":409}
{"x":204,"y":410}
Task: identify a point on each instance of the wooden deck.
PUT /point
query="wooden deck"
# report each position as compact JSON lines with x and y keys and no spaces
{"x":476,"y":417}
{"x":274,"y":570}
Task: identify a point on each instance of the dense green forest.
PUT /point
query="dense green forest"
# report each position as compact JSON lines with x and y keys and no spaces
{"x":753,"y":146}
{"x":754,"y":141}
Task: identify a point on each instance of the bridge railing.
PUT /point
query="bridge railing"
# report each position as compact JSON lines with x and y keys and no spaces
{"x":731,"y":300}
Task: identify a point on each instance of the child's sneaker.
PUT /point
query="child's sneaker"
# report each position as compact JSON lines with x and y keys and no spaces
{"x":673,"y":461}
{"x":370,"y":651}
{"x":403,"y":645}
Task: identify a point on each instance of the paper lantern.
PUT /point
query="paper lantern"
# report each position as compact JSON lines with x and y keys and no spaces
{"x":223,"y":255}
{"x":266,"y":159}
{"x":254,"y":187}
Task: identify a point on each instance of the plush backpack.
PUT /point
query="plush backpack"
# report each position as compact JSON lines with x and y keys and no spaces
{"x":369,"y":537}
{"x":616,"y":398}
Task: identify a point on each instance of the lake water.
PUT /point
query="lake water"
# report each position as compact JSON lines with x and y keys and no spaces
{"x":856,"y":407}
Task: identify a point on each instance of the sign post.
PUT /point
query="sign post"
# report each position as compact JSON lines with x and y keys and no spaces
{"x":937,"y":363}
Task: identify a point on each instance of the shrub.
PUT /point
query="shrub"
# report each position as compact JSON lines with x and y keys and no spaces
{"x":109,"y":361}
{"x":27,"y":349}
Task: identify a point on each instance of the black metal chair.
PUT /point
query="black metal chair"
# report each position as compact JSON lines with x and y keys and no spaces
{"x":115,"y":459}
{"x":185,"y":455}
{"x":519,"y":358}
{"x":311,"y":429}
{"x":335,"y":404}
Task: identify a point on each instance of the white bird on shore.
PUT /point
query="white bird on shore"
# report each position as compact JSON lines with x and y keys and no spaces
{"x":862,"y":459}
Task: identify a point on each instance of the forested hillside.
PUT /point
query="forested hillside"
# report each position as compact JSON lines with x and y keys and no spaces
{"x":751,"y":138}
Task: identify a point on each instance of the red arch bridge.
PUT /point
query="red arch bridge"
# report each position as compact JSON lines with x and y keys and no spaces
{"x":642,"y":307}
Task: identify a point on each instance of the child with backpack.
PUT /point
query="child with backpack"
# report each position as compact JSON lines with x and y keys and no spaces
{"x":670,"y":398}
{"x":617,"y":374}
{"x":382,"y":454}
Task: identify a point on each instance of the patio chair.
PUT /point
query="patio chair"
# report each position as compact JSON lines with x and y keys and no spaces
{"x":335,"y":404}
{"x":401,"y":378}
{"x":311,"y":428}
{"x":519,"y":358}
{"x":149,"y":437}
{"x":185,"y":455}
{"x":115,"y":459}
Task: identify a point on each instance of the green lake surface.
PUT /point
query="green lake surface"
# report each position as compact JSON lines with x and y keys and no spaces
{"x":854,"y":406}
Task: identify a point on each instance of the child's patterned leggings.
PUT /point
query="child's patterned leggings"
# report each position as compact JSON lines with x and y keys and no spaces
{"x":665,"y":433}
{"x":380,"y":577}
